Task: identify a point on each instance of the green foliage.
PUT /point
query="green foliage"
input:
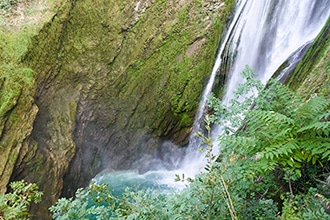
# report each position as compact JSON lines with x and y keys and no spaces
{"x":230,"y":116}
{"x":281,"y":140}
{"x":307,"y":206}
{"x":82,"y":207}
{"x":97,"y":202}
{"x":280,"y":133}
{"x":282,"y":129}
{"x":220,"y":193}
{"x":15,"y":204}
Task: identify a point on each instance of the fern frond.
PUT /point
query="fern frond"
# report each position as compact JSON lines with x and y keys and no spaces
{"x":326,"y":155}
{"x":314,"y":108}
{"x":283,"y":100}
{"x":258,"y":119}
{"x":264,"y":165}
{"x":319,"y":104}
{"x":281,"y":149}
{"x":321,"y":128}
{"x":318,"y":146}
{"x":285,"y":133}
{"x":242,"y":144}
{"x":325,"y":116}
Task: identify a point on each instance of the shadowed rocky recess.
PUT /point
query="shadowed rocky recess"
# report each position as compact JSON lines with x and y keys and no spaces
{"x":105,"y":83}
{"x":111,"y":81}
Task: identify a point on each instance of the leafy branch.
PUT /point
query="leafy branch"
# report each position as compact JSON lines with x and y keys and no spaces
{"x":280,"y":127}
{"x":15,"y":204}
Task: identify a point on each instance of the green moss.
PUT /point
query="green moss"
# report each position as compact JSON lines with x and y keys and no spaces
{"x":17,"y":92}
{"x":183,"y":76}
{"x":185,"y":120}
{"x":145,"y":62}
{"x":312,"y":73}
{"x":13,"y":44}
{"x":325,"y":89}
{"x":14,"y":77}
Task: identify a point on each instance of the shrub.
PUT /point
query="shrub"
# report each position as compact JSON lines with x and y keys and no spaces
{"x":15,"y":204}
{"x":269,"y":142}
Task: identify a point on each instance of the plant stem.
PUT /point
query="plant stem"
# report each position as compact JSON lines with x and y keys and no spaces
{"x":290,"y":186}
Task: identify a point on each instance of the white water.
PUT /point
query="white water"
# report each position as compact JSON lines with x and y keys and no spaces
{"x":263,"y":34}
{"x":194,"y":162}
{"x":268,"y":32}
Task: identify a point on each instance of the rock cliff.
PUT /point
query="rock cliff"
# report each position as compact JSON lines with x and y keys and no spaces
{"x":110,"y":81}
{"x":104,"y":84}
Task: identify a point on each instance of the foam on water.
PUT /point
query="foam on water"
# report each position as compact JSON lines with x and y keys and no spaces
{"x":262,"y":34}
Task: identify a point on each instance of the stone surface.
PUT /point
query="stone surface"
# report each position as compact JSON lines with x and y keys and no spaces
{"x":312,"y":75}
{"x":113,"y":81}
{"x":17,"y":113}
{"x":106,"y":84}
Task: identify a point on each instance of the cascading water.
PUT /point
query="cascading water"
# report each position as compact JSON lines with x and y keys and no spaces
{"x":265,"y":34}
{"x":194,"y":142}
{"x":262,"y":35}
{"x":268,"y":32}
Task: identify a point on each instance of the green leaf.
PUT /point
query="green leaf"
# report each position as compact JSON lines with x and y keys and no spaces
{"x":314,"y":158}
{"x":326,"y":155}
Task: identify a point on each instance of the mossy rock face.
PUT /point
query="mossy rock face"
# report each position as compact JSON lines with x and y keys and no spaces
{"x":312,"y":75}
{"x":17,"y":113}
{"x":113,"y":80}
{"x":17,"y":106}
{"x":104,"y":83}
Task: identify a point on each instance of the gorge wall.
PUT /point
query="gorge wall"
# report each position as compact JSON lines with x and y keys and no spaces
{"x":312,"y":74}
{"x":108,"y":82}
{"x":104,"y":83}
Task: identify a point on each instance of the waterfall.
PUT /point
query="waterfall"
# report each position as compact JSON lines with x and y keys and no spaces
{"x":268,"y":32}
{"x":262,"y":34}
{"x":199,"y":118}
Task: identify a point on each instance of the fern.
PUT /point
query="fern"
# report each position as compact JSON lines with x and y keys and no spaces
{"x":269,"y":126}
{"x":281,"y":149}
{"x":316,"y":109}
{"x":321,"y":128}
{"x":231,"y":117}
{"x":239,"y":143}
{"x":269,"y":118}
{"x":283,"y":129}
{"x":275,"y":97}
{"x":317,"y":146}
